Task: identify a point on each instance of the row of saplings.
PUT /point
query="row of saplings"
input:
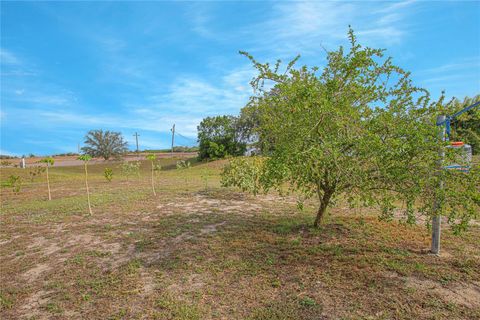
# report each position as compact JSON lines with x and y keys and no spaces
{"x":128,"y":168}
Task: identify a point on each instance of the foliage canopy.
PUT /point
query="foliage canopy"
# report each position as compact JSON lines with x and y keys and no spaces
{"x":49,"y":161}
{"x":218,"y":137}
{"x":105,"y":144}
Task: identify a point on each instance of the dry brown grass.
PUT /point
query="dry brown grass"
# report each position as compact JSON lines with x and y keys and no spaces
{"x":192,"y":253}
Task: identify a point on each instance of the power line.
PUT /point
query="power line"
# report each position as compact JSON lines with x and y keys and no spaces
{"x":185,"y":137}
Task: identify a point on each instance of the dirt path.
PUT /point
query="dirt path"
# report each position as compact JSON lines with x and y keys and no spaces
{"x":69,"y":161}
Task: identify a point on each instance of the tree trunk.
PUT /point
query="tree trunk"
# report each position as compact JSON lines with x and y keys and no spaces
{"x":48,"y":186}
{"x":324,"y":201}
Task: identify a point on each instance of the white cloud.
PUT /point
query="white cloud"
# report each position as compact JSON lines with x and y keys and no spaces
{"x":7,"y":57}
{"x":304,"y":27}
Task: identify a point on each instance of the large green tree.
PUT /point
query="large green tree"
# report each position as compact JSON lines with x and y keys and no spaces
{"x":358,"y":129}
{"x":105,"y":144}
{"x":218,"y":137}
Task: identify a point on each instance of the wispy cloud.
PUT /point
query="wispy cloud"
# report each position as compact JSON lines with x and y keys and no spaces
{"x":201,"y":20}
{"x":304,"y":27}
{"x":457,"y":66}
{"x":13,"y":66}
{"x":7,"y":57}
{"x":452,"y":76}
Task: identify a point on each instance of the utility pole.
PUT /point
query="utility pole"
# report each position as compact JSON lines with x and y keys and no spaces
{"x":173,"y":137}
{"x":78,"y":148}
{"x":437,"y":205}
{"x":136,"y":135}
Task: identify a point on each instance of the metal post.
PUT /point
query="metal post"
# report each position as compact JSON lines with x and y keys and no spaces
{"x":437,"y":219}
{"x":173,"y":137}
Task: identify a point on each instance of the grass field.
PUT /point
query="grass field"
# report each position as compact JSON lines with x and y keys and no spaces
{"x":199,"y":251}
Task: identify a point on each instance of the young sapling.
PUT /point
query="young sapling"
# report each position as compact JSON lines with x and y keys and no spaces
{"x":36,"y":171}
{"x":182,"y":164}
{"x":49,"y":162}
{"x":85,"y":158}
{"x":15,"y":182}
{"x":108,"y":174}
{"x":152,"y":157}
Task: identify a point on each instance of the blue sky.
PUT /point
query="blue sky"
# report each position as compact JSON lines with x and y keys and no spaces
{"x":67,"y":67}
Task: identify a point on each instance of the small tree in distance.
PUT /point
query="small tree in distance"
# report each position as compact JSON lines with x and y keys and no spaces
{"x":49,"y":162}
{"x":358,"y":128}
{"x":85,"y":158}
{"x":104,"y":144}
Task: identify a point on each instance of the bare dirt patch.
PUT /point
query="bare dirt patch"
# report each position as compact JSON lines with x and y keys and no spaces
{"x":31,"y":307}
{"x":211,"y":227}
{"x":33,"y":273}
{"x":466,"y":294}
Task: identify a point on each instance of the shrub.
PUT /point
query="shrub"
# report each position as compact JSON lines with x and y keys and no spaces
{"x":108,"y":174}
{"x":182,"y":164}
{"x":14,"y":182}
{"x":131,"y":168}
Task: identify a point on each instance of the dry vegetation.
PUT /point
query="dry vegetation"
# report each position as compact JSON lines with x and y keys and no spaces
{"x":211,"y":253}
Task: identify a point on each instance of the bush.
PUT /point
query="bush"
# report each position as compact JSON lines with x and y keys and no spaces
{"x":108,"y":174}
{"x":14,"y":182}
{"x":131,"y":168}
{"x":218,"y":137}
{"x":182,"y":164}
